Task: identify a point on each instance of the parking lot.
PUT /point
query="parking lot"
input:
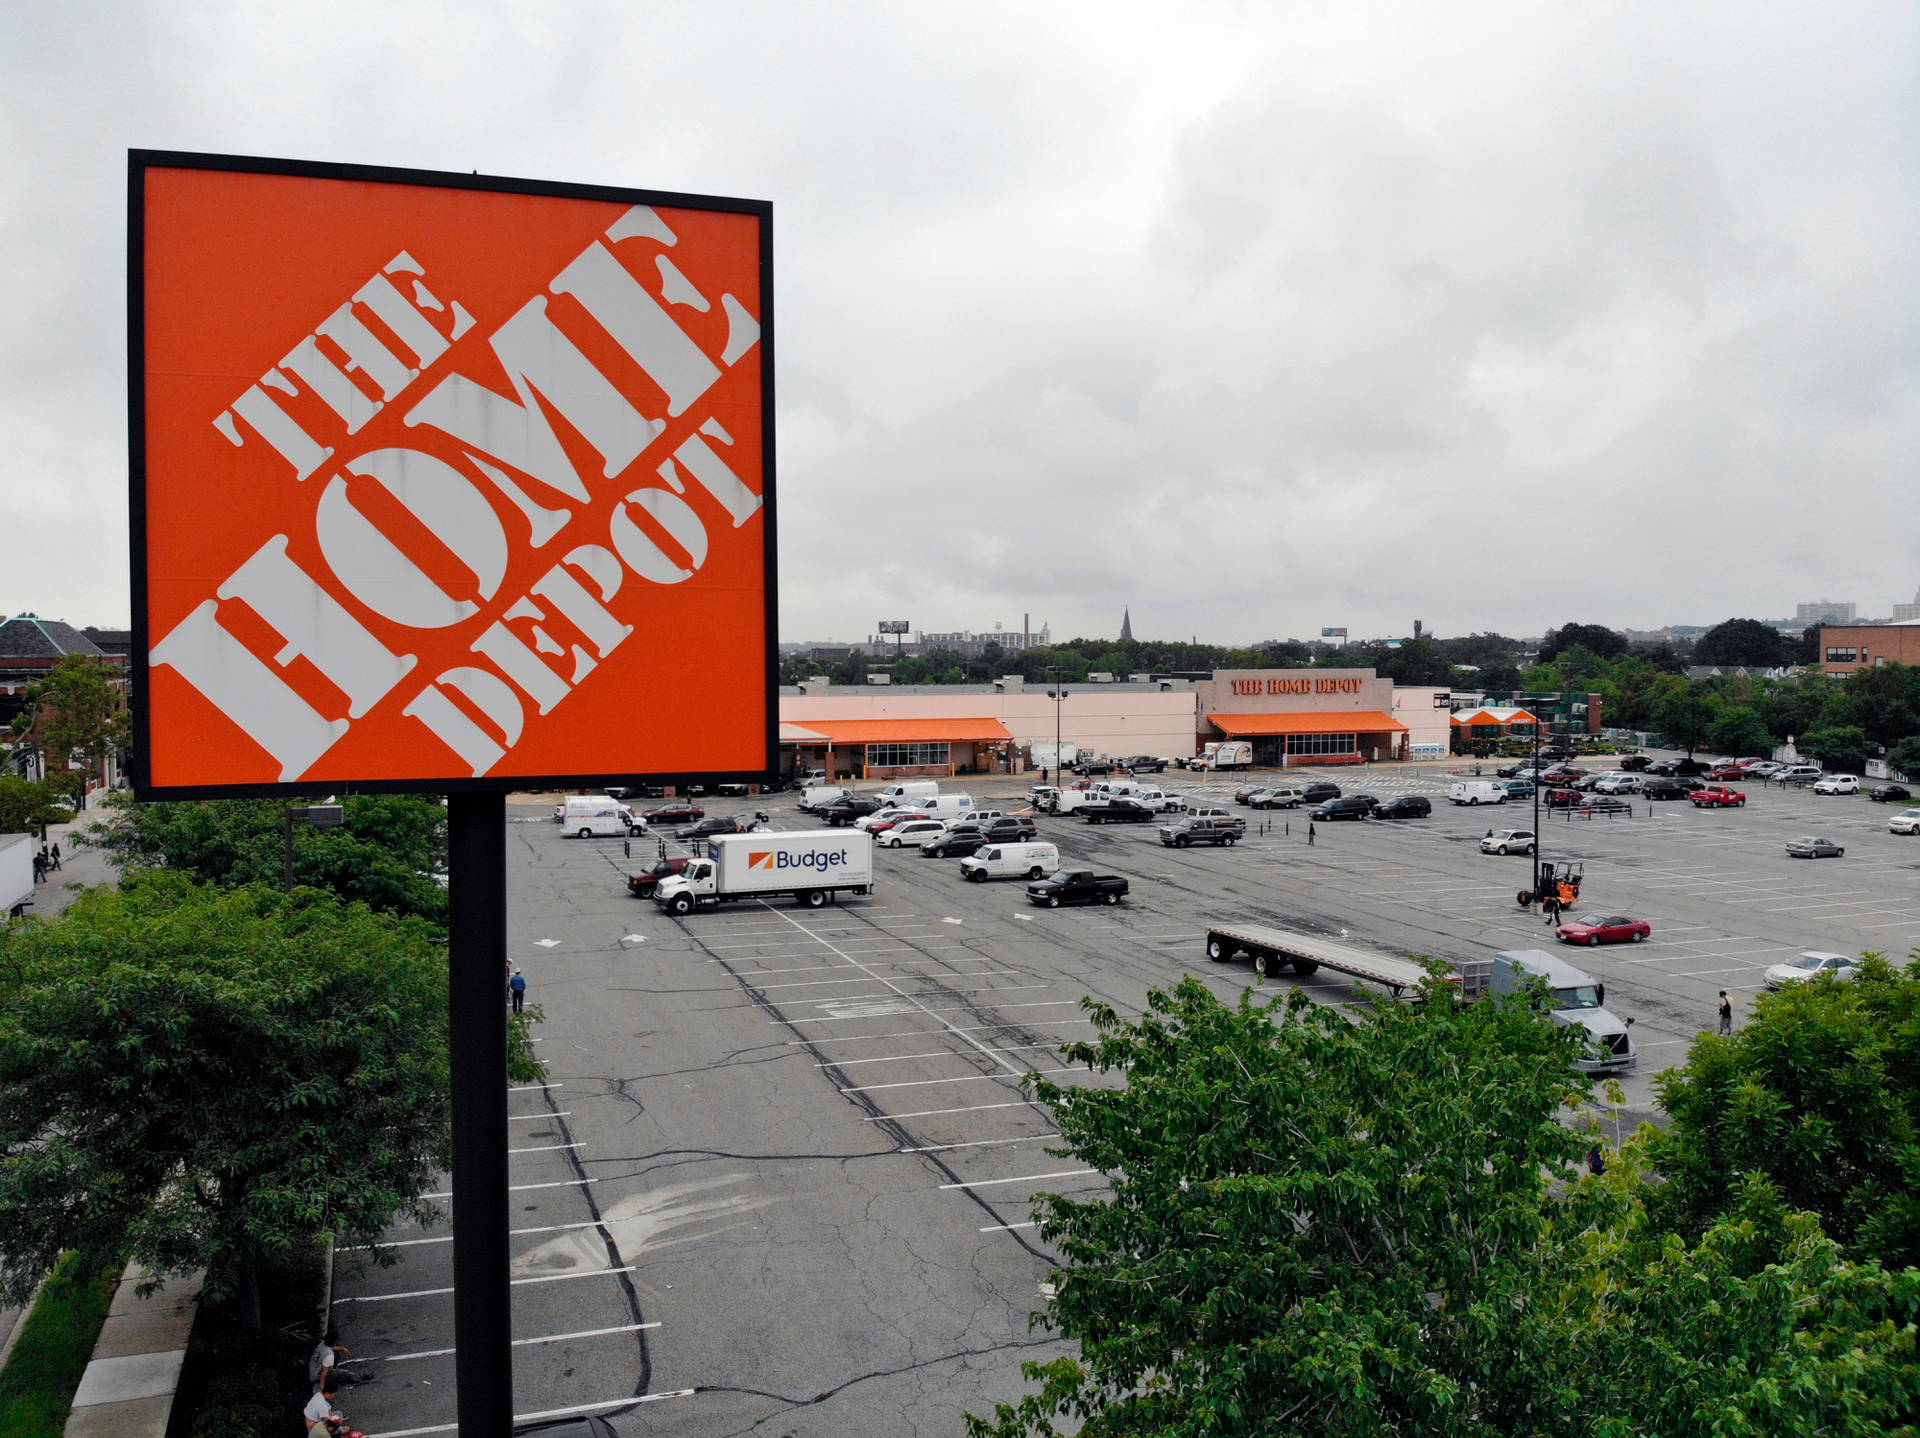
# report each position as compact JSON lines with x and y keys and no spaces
{"x":779,"y":1180}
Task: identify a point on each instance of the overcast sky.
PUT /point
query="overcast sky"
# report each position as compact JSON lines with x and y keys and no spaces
{"x":1253,"y":317}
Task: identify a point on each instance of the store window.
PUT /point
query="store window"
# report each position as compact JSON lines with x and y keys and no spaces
{"x":1847,"y":655}
{"x":903,"y":756}
{"x":1321,"y":744}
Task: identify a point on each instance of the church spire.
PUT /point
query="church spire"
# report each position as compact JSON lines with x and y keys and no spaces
{"x":1126,"y":626}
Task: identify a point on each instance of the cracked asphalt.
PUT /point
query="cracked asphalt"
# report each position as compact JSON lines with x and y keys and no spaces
{"x":799,"y":1201}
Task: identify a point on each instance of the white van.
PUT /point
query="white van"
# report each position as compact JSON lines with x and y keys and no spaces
{"x":594,"y":815}
{"x":819,"y":796}
{"x":1067,"y":800}
{"x":1011,"y":861}
{"x":948,"y":806}
{"x":1476,"y":791}
{"x":909,"y":791}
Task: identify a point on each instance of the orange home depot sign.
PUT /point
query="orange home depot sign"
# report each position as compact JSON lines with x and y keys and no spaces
{"x":445,"y":482}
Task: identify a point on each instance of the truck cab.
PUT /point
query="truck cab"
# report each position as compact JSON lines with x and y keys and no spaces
{"x":1574,"y":999}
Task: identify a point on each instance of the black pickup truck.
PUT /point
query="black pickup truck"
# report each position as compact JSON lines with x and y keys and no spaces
{"x":1118,"y":811}
{"x":1077,"y":886}
{"x":844,"y":811}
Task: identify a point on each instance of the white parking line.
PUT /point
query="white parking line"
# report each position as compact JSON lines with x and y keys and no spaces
{"x":448,"y":1237}
{"x":547,"y":1148}
{"x":933,"y":1054}
{"x":980,"y":1143}
{"x":516,"y":1282}
{"x":530,"y":1117}
{"x":1028,"y":1178}
{"x":545,"y":1413}
{"x":931,"y":1112}
{"x":856,"y":1018}
{"x":922,"y":1033}
{"x":1007,"y":1227}
{"x":517,"y":1343}
{"x":893,"y":993}
{"x":967,"y":1078}
{"x":519,"y":1187}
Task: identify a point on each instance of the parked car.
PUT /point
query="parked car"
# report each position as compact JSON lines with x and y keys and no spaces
{"x":912,"y":831}
{"x":879,"y":824}
{"x":1562,"y":774}
{"x":1243,"y":793}
{"x":1354,"y":806}
{"x":1618,"y":784}
{"x":1888,"y":792}
{"x":1408,"y":806}
{"x":1508,"y":771}
{"x":586,"y":1425}
{"x":1810,"y":965}
{"x":1001,"y":829}
{"x":675,"y":814}
{"x":1508,"y":841}
{"x":1722,"y":773}
{"x":846,"y":811}
{"x":1905,"y":823}
{"x":954,"y":844}
{"x":1559,"y":798}
{"x":1810,"y":846}
{"x":1765,"y":769}
{"x":1716,"y":796}
{"x":1318,"y":792}
{"x":1087,"y":768}
{"x":1147,"y":764}
{"x":1119,"y":811}
{"x":1635,"y":763}
{"x":641,"y":885}
{"x":1277,"y":798}
{"x":1838,"y":784}
{"x":1798,"y":774}
{"x":1519,"y":788}
{"x":1188,"y":831}
{"x":1587,"y":783}
{"x":706,"y":828}
{"x":1602,"y":804}
{"x":1658,"y":788}
{"x":1604,"y":929}
{"x":1676,"y":768}
{"x":1077,"y":886}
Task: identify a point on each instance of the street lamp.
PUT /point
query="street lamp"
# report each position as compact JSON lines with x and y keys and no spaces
{"x":319,"y":816}
{"x":1059,"y":697}
{"x":1536,"y":806}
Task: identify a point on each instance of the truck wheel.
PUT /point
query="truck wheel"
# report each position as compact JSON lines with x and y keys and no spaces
{"x":814,"y":898}
{"x":683,"y":904}
{"x":1304,"y":966}
{"x":1113,"y":898}
{"x":1264,"y":966}
{"x":1181,"y":842}
{"x":1229,"y":841}
{"x":586,"y":833}
{"x":1474,"y":801}
{"x":1053,"y":901}
{"x":1219,"y":952}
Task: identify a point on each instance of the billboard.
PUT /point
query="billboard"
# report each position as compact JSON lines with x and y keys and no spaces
{"x":445,"y":482}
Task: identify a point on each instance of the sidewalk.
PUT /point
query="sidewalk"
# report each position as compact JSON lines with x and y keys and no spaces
{"x":80,"y":867}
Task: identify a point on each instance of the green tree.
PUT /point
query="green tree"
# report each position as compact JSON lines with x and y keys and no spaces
{"x":75,"y":713}
{"x":1744,"y":642}
{"x":205,"y":1077}
{"x":1684,"y":716}
{"x":384,"y":854}
{"x":1316,"y":1225}
{"x":1594,"y":638}
{"x":1905,"y":757}
{"x":1739,"y":731}
{"x":1794,"y":709}
{"x":1843,"y":747}
{"x":1417,"y":662}
{"x":25,"y":804}
{"x":1886,"y":700}
{"x":1820,"y":1092}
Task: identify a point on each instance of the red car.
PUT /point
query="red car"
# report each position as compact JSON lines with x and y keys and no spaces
{"x":1603,"y":929}
{"x":642,"y":884}
{"x":675,"y":814}
{"x":1723,"y":772}
{"x":886,"y":824}
{"x":1713,"y":796}
{"x":1564,"y":774}
{"x":1562,"y":798}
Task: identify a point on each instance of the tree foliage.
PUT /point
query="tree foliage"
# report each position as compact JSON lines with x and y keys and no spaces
{"x":75,"y":712}
{"x":384,"y":854}
{"x":1842,"y":747}
{"x":1684,"y":716}
{"x":209,"y":1076}
{"x":1746,"y":642}
{"x":1596,"y":639}
{"x":26,"y":804}
{"x":1820,"y":1091}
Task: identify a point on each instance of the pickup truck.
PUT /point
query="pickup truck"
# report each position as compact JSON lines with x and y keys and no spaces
{"x":1715,"y":796}
{"x":1203,"y":831}
{"x":1077,"y":886}
{"x":1118,"y":811}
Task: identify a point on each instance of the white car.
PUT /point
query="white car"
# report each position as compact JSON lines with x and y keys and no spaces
{"x":1618,"y":784}
{"x":1508,"y":841}
{"x":1811,"y":964}
{"x":912,"y":831}
{"x":1838,"y":784}
{"x":1905,"y":822}
{"x":1765,"y":769}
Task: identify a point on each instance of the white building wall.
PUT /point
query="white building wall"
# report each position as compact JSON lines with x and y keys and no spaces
{"x":1429,"y":719}
{"x":1103,"y":719}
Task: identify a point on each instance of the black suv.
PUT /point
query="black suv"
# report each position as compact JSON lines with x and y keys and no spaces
{"x":718,"y":824}
{"x":1314,"y":793}
{"x":1007,"y":829}
{"x":1407,"y":806}
{"x":1635,"y":763}
{"x":1658,"y":788}
{"x":954,"y":844}
{"x":1355,"y":807}
{"x":844,"y":811}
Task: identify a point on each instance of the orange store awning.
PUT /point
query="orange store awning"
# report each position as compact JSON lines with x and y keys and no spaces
{"x":1344,"y":721}
{"x":907,"y":731}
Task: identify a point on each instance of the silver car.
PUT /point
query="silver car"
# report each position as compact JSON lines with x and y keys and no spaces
{"x":1810,"y":965}
{"x":1809,"y":846}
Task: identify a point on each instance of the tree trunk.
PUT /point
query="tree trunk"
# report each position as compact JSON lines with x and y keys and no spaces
{"x":250,"y":1297}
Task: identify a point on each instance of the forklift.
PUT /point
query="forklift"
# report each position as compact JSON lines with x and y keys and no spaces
{"x":1559,"y":885}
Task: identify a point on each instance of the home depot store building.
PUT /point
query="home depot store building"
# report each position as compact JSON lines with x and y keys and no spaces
{"x":1291,"y":716}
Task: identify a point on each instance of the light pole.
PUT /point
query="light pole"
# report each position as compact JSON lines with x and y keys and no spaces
{"x":1059,"y":698}
{"x":1536,"y":806}
{"x":320,"y":816}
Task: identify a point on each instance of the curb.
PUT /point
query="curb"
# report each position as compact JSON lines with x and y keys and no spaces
{"x":128,"y":1388}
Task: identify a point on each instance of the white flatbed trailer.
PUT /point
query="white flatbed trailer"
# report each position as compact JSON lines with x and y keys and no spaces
{"x":1274,"y":949}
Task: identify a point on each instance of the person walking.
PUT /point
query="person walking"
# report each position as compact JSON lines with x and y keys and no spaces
{"x":517,"y":987}
{"x":39,"y":868}
{"x":1726,"y":1013}
{"x":1596,"y":1161}
{"x":1309,"y":833}
{"x":54,"y":855}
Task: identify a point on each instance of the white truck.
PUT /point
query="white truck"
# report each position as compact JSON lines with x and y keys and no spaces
{"x":1225,"y":754}
{"x":1477,"y":791}
{"x":16,"y":873}
{"x":1576,"y":1000}
{"x":813,"y":867}
{"x":1275,"y":949}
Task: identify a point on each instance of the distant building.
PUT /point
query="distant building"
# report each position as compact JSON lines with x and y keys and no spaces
{"x":1126,"y":626}
{"x":1907,"y":613}
{"x":29,"y":648}
{"x":965,"y":643}
{"x":1824,"y":611}
{"x":1845,"y":648}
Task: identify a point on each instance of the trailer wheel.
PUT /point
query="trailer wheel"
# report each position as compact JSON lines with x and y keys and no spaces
{"x":683,"y":904}
{"x":1264,"y":966}
{"x":1218,"y":951}
{"x":585,"y":832}
{"x":814,"y":898}
{"x":1304,"y":966}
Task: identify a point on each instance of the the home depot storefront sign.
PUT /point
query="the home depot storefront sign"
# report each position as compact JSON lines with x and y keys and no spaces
{"x":445,"y":483}
{"x":1296,"y":686}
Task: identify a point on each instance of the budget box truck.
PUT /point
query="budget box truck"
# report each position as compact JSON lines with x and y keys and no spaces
{"x":813,"y":867}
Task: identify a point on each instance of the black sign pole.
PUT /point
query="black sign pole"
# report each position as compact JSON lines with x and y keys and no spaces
{"x":477,"y":928}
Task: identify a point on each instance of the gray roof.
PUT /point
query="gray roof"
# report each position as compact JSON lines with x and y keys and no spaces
{"x":27,"y":636}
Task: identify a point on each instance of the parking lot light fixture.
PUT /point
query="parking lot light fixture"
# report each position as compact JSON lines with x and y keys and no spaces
{"x":1536,"y":806}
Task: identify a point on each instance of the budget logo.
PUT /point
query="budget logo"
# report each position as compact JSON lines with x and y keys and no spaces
{"x":445,"y":482}
{"x":760,"y":861}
